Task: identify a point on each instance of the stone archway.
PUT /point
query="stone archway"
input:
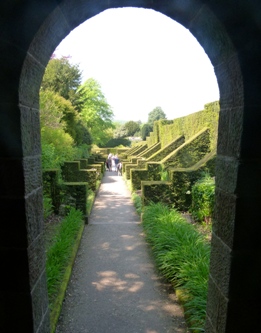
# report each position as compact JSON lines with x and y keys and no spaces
{"x":230,"y":34}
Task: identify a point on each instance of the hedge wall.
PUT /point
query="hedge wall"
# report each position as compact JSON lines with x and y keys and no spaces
{"x":165,"y":151}
{"x":191,"y":124}
{"x":52,"y":188}
{"x":152,"y":172}
{"x":177,"y":192}
{"x":150,"y":150}
{"x":71,"y":172}
{"x":190,"y":152}
{"x":79,"y":192}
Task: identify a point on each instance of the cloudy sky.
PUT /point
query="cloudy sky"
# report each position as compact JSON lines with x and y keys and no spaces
{"x":142,"y":59}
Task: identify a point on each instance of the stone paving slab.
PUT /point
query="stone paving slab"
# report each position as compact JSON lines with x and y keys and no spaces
{"x":114,"y":287}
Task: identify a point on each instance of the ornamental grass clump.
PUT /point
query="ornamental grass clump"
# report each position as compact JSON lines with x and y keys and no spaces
{"x":182,"y":256}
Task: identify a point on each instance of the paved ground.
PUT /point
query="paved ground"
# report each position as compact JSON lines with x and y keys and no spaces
{"x":114,"y":287}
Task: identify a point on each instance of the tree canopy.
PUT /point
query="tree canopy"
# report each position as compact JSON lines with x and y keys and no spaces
{"x":132,"y":127}
{"x":63,"y":78}
{"x":145,"y":131}
{"x":95,"y":113}
{"x":156,"y":114}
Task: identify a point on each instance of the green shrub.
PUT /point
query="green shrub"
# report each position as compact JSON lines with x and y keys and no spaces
{"x":203,"y":198}
{"x":182,"y":256}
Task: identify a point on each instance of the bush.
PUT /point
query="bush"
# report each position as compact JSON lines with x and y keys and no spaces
{"x":203,"y":199}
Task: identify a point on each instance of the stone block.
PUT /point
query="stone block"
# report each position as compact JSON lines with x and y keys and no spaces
{"x":224,"y":216}
{"x":40,"y":303}
{"x":30,"y":129}
{"x":220,"y":263}
{"x":216,"y":309}
{"x":34,"y":214}
{"x":33,"y":173}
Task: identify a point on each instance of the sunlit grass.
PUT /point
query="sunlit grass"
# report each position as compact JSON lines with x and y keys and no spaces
{"x":182,"y":256}
{"x":59,"y":253}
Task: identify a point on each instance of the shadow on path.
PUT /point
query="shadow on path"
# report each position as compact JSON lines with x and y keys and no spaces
{"x":114,"y":287}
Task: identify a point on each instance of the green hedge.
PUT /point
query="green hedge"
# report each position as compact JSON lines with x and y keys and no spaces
{"x":190,"y":152}
{"x":152,"y":172}
{"x":177,"y":192}
{"x":166,"y":150}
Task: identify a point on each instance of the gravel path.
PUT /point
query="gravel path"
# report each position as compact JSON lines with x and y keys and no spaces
{"x":114,"y":287}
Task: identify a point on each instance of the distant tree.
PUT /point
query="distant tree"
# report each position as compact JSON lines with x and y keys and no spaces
{"x":145,"y":131}
{"x":131,"y":127}
{"x":120,"y":132}
{"x":117,"y":142}
{"x":96,"y":114}
{"x":156,"y":114}
{"x":63,"y":78}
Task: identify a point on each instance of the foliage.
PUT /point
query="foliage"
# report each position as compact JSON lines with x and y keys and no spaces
{"x":182,"y":256}
{"x":62,"y":78}
{"x":203,"y":198}
{"x":96,"y":113}
{"x":164,"y":175}
{"x":83,"y":135}
{"x":145,"y":131}
{"x":156,"y":114}
{"x":120,"y":132}
{"x":59,"y":253}
{"x":132,"y":127}
{"x":82,"y":151}
{"x":90,"y":201}
{"x":137,"y":202}
{"x":47,"y":206}
{"x":117,"y":142}
{"x":57,"y":147}
{"x":50,"y":109}
{"x":57,"y":112}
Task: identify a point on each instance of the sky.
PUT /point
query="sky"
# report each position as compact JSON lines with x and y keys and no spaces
{"x":142,"y":59}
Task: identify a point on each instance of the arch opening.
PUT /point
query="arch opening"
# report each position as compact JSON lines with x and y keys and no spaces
{"x":55,"y":23}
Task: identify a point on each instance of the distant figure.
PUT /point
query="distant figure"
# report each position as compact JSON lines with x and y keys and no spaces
{"x":119,"y":168}
{"x":116,"y":162}
{"x":109,"y":162}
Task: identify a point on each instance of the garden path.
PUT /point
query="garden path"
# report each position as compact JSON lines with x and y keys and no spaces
{"x":114,"y":287}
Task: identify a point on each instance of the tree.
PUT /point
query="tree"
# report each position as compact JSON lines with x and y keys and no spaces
{"x":96,"y":114}
{"x":131,"y":127}
{"x":120,"y":132}
{"x":156,"y":114}
{"x":57,"y":112}
{"x":145,"y":131}
{"x":63,"y":78}
{"x":83,"y":135}
{"x":50,"y":112}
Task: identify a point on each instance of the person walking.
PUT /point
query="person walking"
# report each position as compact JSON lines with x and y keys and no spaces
{"x":109,"y":161}
{"x":116,"y":161}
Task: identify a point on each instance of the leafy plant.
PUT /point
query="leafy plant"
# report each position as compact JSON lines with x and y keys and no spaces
{"x":203,"y":198}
